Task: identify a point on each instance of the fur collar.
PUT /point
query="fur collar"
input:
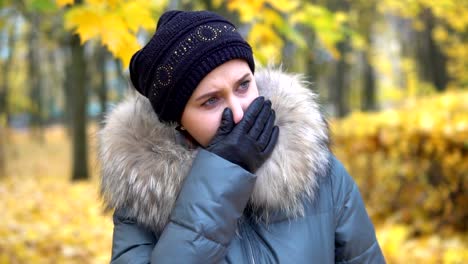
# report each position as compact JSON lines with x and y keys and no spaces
{"x":143,"y":167}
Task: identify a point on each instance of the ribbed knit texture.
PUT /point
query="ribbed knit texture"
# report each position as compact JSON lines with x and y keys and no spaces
{"x":184,"y":49}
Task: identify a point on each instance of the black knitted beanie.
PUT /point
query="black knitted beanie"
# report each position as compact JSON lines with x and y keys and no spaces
{"x":184,"y":49}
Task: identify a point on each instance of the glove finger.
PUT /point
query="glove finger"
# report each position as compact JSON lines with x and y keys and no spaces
{"x":225,"y":127}
{"x":251,"y":114}
{"x":227,"y":122}
{"x":264,"y":137}
{"x":261,"y":120}
{"x":272,"y":143}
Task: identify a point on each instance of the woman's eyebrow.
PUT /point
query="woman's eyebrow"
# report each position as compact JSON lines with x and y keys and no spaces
{"x":242,"y":78}
{"x":207,"y":95}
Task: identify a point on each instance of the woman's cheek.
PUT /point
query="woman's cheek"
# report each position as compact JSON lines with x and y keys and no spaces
{"x":209,"y":128}
{"x":215,"y":123}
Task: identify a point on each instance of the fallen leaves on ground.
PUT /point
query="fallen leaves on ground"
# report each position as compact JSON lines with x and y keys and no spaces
{"x":50,"y":220}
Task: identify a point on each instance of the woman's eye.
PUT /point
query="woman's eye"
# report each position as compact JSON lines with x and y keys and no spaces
{"x":244,"y":86}
{"x":210,"y":102}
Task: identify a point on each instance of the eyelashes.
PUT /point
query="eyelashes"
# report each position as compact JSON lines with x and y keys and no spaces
{"x":211,"y":101}
{"x":245,"y":85}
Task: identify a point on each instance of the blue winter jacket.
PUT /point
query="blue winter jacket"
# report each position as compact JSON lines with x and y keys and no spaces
{"x":175,"y":204}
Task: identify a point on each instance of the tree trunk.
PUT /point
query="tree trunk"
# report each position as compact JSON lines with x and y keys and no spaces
{"x":4,"y":89}
{"x":341,"y":87}
{"x":34,"y":78}
{"x":3,"y":129}
{"x":366,"y":20}
{"x":2,"y":149}
{"x":432,"y":62}
{"x":76,"y":82}
{"x":67,"y":87}
{"x":368,"y":96}
{"x":101,"y":59}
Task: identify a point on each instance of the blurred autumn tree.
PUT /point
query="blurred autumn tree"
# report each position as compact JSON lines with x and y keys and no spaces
{"x":115,"y":23}
{"x":441,"y":38}
{"x":30,"y":88}
{"x":75,"y":78}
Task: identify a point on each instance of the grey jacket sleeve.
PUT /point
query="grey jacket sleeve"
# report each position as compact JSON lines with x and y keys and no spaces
{"x":355,"y":240}
{"x":202,"y":223}
{"x":131,"y":243}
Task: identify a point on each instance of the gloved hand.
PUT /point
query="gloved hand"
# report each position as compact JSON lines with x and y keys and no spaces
{"x":250,"y":142}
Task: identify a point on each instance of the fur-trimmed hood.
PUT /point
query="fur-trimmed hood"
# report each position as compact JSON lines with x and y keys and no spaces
{"x":143,"y":166}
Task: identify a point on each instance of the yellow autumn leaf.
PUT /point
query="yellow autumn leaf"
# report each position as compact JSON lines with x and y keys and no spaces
{"x":272,"y":18}
{"x":114,"y":22}
{"x":426,"y":122}
{"x":248,"y":10}
{"x":62,"y":3}
{"x":158,"y":5}
{"x":265,"y":43}
{"x":358,"y":42}
{"x":115,"y":3}
{"x":329,"y":43}
{"x":97,"y":2}
{"x":285,"y":6}
{"x":85,"y":21}
{"x":298,"y":17}
{"x":456,"y":253}
{"x":341,"y":17}
{"x":126,"y":48}
{"x":217,"y":3}
{"x":262,"y":34}
{"x":112,"y":28}
{"x":439,"y":34}
{"x":117,"y":38}
{"x":137,"y":14}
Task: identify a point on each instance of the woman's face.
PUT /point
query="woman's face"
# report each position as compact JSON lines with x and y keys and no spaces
{"x":231,"y":85}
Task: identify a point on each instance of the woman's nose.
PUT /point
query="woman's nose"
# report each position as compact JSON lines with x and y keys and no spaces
{"x":237,"y":111}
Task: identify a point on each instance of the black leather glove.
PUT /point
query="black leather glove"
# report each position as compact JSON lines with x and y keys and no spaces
{"x":250,"y":142}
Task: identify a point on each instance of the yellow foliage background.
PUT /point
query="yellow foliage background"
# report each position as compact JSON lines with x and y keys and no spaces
{"x":114,"y":23}
{"x":273,"y":24}
{"x":48,"y":219}
{"x":417,"y":156}
{"x":411,"y":165}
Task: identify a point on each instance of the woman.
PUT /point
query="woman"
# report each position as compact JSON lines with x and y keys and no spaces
{"x":213,"y":165}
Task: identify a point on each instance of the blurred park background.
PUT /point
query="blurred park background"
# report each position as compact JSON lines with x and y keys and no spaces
{"x":392,"y":76}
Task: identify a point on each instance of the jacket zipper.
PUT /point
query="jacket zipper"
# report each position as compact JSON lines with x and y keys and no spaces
{"x":247,"y":241}
{"x":251,"y":252}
